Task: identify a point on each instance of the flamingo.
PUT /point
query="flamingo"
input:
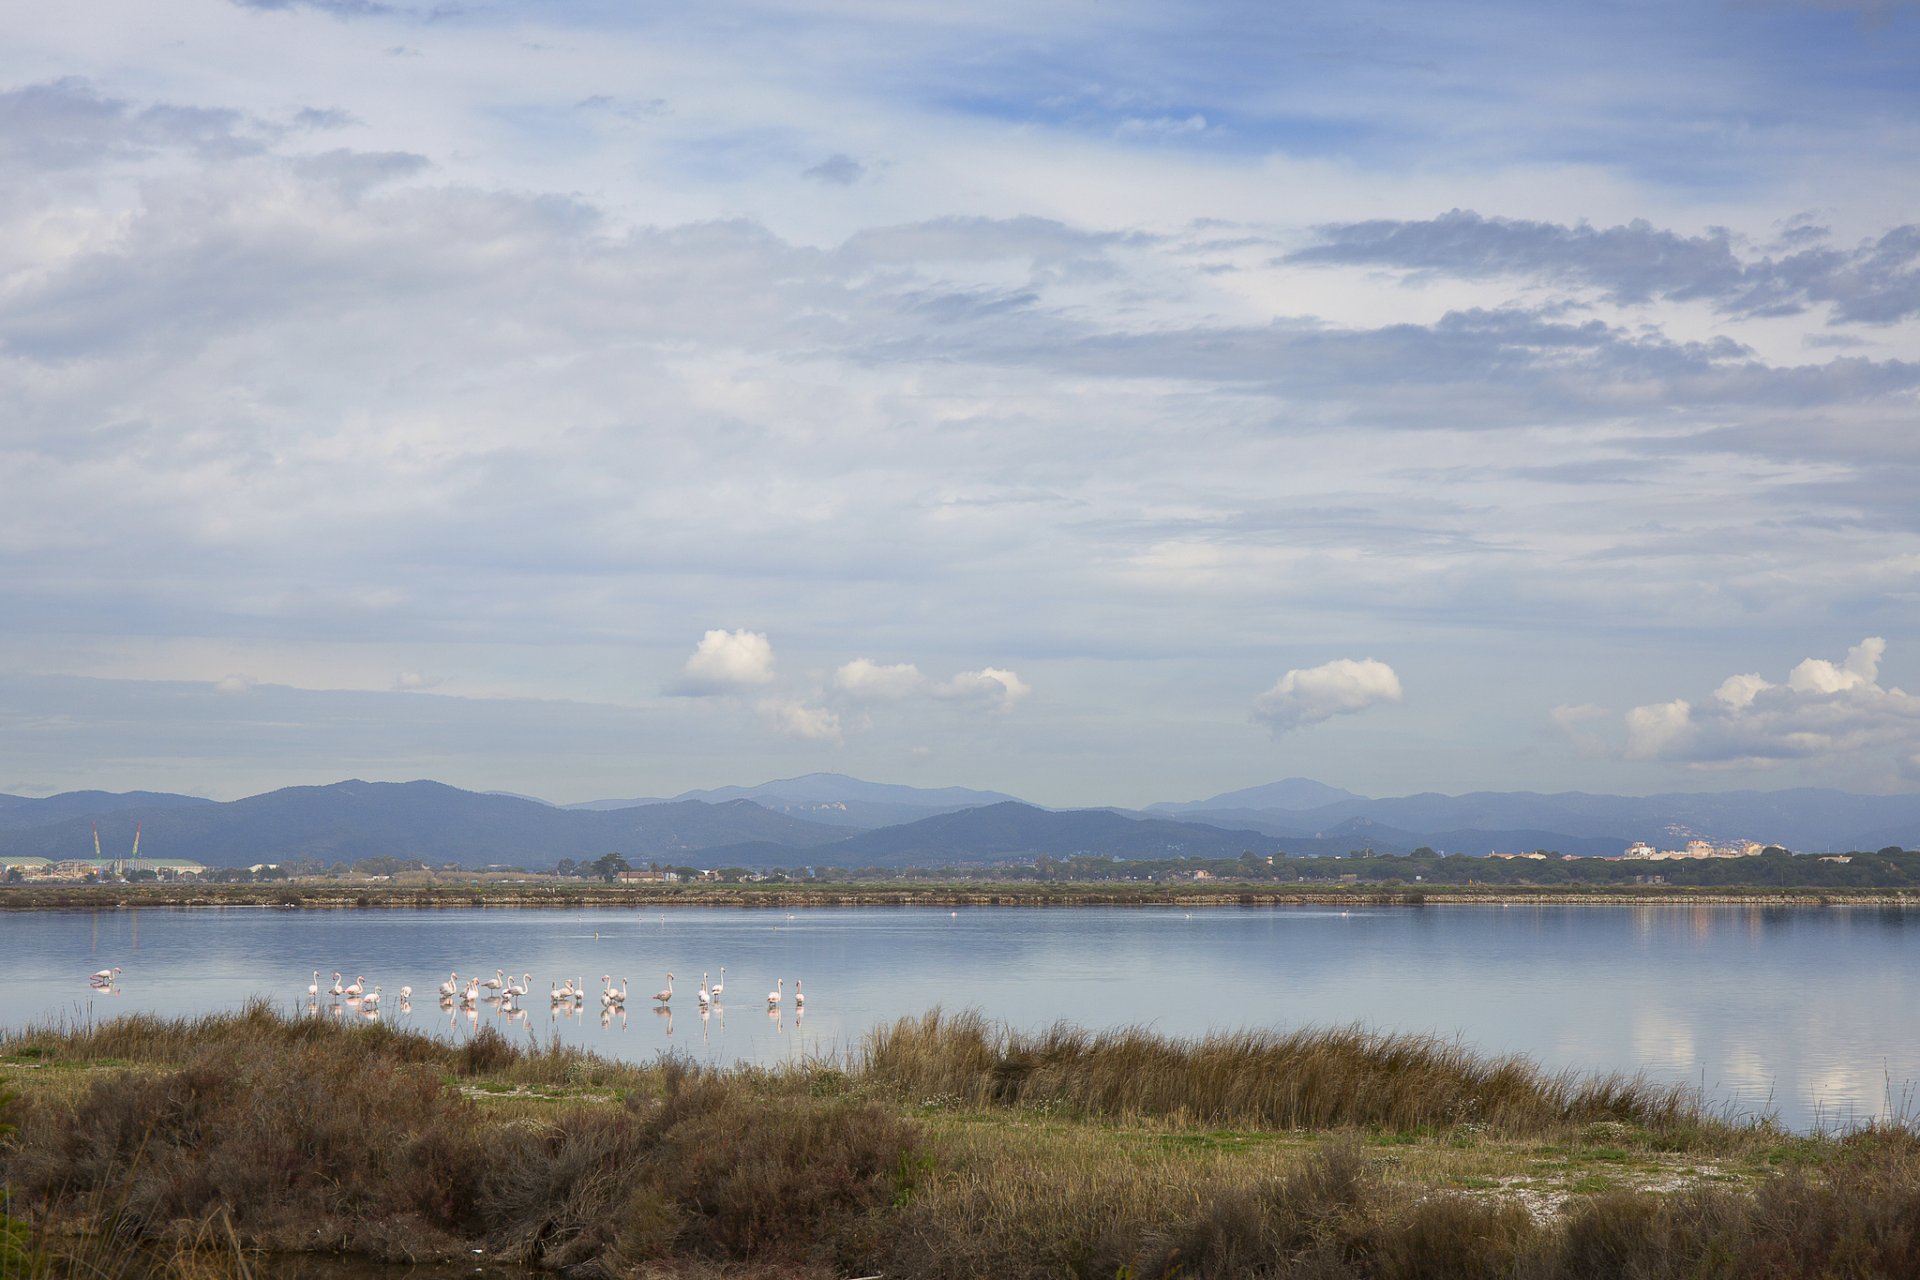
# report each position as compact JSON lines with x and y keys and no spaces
{"x":526,"y":980}
{"x":662,"y":996}
{"x":497,"y":981}
{"x":313,"y":988}
{"x":336,"y":989}
{"x":406,"y":993}
{"x":373,"y":999}
{"x":471,"y":995}
{"x":719,"y":986}
{"x":562,"y":995}
{"x":706,"y":996}
{"x":357,"y":987}
{"x":451,"y":985}
{"x":615,"y":997}
{"x":774,"y":996}
{"x":106,"y":976}
{"x":798,"y":999}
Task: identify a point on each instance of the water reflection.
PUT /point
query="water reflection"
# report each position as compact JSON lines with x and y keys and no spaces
{"x":1763,"y":1006}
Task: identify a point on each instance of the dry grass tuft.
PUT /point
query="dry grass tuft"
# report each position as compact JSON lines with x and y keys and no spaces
{"x":1312,"y":1079}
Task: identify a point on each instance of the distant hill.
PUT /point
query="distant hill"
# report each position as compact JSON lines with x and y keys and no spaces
{"x":425,"y":820}
{"x":877,"y":824}
{"x":1287,"y":795}
{"x":835,"y":798}
{"x":20,"y":812}
{"x":1012,"y":829}
{"x":1807,"y":819}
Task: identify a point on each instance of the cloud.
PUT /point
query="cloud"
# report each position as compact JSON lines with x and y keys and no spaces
{"x":1876,"y":282}
{"x":234,"y":684}
{"x":411,"y":680}
{"x":991,"y":685}
{"x":866,"y":681}
{"x":840,"y":169}
{"x":316,"y":118}
{"x":1311,"y":695}
{"x":355,"y":172}
{"x":795,"y":719}
{"x":1823,"y":709}
{"x":333,"y":8}
{"x":67,"y":123}
{"x":725,"y":662}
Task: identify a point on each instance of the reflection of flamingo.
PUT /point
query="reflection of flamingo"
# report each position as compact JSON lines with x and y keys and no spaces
{"x":666,"y":1012}
{"x":662,"y":996}
{"x":774,"y":996}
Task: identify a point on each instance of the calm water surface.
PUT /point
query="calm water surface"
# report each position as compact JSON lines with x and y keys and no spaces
{"x":1805,"y":1012}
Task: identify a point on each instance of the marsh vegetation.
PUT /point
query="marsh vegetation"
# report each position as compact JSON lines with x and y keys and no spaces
{"x":944,"y":1147}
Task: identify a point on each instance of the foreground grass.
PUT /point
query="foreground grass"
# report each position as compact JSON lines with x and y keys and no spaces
{"x":945,"y":1148}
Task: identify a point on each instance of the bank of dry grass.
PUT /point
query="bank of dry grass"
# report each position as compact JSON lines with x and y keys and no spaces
{"x":948,"y":1148}
{"x":1333,"y":1078}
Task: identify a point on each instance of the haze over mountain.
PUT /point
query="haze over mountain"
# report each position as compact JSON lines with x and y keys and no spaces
{"x":779,"y":824}
{"x":834,"y":797}
{"x":424,"y":820}
{"x":1286,"y":795}
{"x":22,"y":812}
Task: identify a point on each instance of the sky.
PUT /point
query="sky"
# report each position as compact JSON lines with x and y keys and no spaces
{"x":1102,"y":403}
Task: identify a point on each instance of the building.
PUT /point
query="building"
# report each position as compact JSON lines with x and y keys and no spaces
{"x":1641,"y":851}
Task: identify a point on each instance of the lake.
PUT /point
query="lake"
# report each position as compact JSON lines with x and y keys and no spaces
{"x":1804,"y":1012}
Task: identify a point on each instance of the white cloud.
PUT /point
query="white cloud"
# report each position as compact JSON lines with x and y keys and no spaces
{"x":234,"y":684}
{"x":411,"y":680}
{"x":1825,"y":709}
{"x":796,"y":719}
{"x":1655,"y":730}
{"x":1310,"y":695}
{"x":1860,"y":670}
{"x":726,"y":662}
{"x":1736,"y":693}
{"x":993,"y":685}
{"x":864,"y":680}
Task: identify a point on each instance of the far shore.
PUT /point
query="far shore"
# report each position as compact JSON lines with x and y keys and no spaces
{"x":350,"y":895}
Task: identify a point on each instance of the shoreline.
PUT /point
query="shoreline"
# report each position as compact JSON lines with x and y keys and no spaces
{"x":337,"y":897}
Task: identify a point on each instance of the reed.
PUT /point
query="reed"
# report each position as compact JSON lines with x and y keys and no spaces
{"x":1312,"y":1079}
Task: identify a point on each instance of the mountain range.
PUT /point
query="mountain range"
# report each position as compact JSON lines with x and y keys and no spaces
{"x":830,"y":819}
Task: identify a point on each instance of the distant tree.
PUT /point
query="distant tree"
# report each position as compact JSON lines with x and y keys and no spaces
{"x":566,"y":867}
{"x":1892,"y":851}
{"x":608,"y":866}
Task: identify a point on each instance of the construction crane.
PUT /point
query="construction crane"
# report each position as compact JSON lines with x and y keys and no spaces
{"x":120,"y":864}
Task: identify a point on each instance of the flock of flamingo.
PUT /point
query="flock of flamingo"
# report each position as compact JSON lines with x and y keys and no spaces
{"x":506,"y":996}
